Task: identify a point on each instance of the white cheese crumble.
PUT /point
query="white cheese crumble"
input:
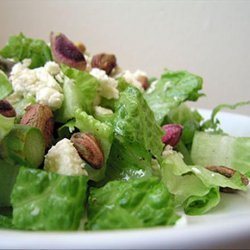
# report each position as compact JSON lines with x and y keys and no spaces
{"x":102,"y":111}
{"x":64,"y":159}
{"x":108,"y":85}
{"x":38,"y":82}
{"x":132,"y":78}
{"x":196,"y":170}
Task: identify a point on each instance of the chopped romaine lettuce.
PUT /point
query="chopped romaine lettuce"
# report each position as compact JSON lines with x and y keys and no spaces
{"x":80,"y":92}
{"x":138,"y":137}
{"x":47,"y":201}
{"x":172,"y":89}
{"x":140,"y":184}
{"x":181,"y":182}
{"x":128,"y":160}
{"x":8,"y":173}
{"x":137,"y":203}
{"x":20,"y":47}
{"x":5,"y":222}
{"x":5,"y":85}
{"x":221,"y":150}
{"x":6,"y":124}
{"x":195,"y":188}
{"x":135,"y":122}
{"x":213,"y":124}
{"x":23,"y":145}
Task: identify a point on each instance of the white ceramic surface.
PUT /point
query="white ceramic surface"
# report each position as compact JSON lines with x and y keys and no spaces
{"x":227,"y":226}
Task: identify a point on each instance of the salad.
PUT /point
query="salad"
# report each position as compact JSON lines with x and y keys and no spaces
{"x":87,"y":145}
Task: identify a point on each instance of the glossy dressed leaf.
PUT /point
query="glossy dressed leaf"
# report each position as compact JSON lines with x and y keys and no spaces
{"x":172,"y":89}
{"x":137,"y":137}
{"x":128,"y":160}
{"x":221,"y":150}
{"x":47,"y":201}
{"x":135,"y":122}
{"x":138,"y":203}
{"x":195,"y":188}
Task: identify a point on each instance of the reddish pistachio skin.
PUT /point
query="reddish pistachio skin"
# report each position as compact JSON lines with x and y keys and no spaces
{"x":6,"y":109}
{"x":66,"y":52}
{"x":88,"y":148}
{"x":106,"y":62}
{"x":172,"y":135}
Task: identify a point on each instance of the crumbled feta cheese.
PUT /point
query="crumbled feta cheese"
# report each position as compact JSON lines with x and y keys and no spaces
{"x":38,"y":82}
{"x":50,"y":97}
{"x":132,"y":78}
{"x":52,"y":68}
{"x":196,"y":170}
{"x":108,"y":85}
{"x":64,"y":159}
{"x":102,"y":111}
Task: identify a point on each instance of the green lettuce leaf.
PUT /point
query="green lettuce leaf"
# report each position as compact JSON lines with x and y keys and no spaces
{"x":5,"y":222}
{"x":20,"y":47}
{"x":80,"y":92}
{"x":136,"y":203}
{"x":172,"y":89}
{"x":221,"y":150}
{"x":102,"y":132}
{"x":47,"y":201}
{"x":185,"y":186}
{"x":6,"y":124}
{"x":135,"y":122}
{"x":213,"y":124}
{"x":8,"y":173}
{"x":195,"y":188}
{"x":5,"y":85}
{"x":137,"y":138}
{"x":128,"y":160}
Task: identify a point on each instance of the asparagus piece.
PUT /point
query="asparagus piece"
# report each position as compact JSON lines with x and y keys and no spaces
{"x":24,"y":145}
